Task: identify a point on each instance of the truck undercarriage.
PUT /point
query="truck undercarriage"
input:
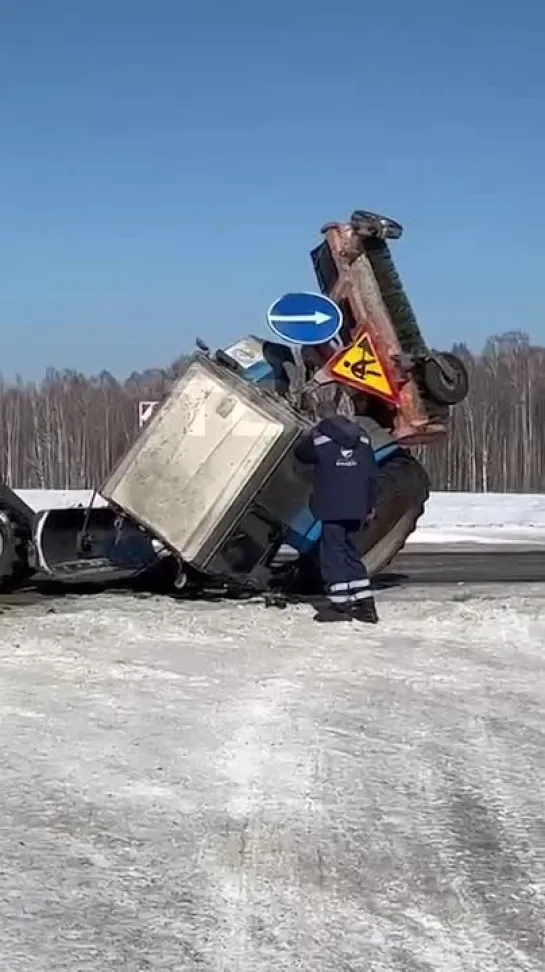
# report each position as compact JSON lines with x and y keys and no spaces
{"x":209,"y":493}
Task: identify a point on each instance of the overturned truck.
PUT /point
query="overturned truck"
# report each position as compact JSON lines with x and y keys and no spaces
{"x":210,"y":494}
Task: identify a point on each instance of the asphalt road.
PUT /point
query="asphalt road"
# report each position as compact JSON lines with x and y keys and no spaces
{"x":478,"y":564}
{"x":417,"y":565}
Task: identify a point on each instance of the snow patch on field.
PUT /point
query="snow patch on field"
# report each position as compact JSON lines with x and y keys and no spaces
{"x":482,"y":518}
{"x":56,"y":499}
{"x":230,"y":789}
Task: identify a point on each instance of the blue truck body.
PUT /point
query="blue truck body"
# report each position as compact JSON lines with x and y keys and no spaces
{"x":305,"y":530}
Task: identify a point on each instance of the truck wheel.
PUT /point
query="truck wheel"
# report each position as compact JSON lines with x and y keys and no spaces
{"x":372,"y":224}
{"x":403,"y":491}
{"x":14,"y":539}
{"x":446,"y":390}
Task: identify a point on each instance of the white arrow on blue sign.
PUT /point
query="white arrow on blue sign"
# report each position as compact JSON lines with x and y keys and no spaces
{"x":305,"y":318}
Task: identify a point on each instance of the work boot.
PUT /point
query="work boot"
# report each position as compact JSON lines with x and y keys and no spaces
{"x":333,"y":612}
{"x":365,"y":611}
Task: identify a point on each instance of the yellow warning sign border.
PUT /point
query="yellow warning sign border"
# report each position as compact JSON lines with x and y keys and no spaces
{"x":391,"y":396}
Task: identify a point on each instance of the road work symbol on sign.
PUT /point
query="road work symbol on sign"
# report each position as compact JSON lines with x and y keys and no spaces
{"x":305,"y":319}
{"x":360,"y":366}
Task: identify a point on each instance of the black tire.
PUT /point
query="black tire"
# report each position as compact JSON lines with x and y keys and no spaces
{"x":403,"y":490}
{"x":14,"y":544}
{"x":373,"y":224}
{"x":441,"y":389}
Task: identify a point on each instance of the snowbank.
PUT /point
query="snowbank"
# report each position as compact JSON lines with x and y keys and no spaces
{"x":449,"y":517}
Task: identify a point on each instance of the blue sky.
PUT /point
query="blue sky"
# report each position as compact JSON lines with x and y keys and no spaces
{"x":166,"y":166}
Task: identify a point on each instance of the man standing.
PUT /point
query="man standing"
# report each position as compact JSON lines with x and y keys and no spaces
{"x":343,"y":498}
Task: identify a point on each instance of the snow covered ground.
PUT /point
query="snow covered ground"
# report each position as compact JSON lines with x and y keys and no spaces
{"x":449,"y":518}
{"x":229,"y":789}
{"x":50,"y":499}
{"x":482,"y":518}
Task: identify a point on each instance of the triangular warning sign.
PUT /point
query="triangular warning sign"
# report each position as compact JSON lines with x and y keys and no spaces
{"x":360,"y":367}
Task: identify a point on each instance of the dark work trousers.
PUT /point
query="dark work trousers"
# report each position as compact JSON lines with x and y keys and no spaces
{"x":344,"y":575}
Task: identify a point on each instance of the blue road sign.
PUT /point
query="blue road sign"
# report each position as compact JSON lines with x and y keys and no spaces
{"x":305,"y":318}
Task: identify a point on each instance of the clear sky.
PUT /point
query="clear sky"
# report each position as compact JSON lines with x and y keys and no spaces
{"x":166,"y":166}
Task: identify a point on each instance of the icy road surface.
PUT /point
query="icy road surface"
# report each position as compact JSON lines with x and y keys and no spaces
{"x":227,"y":788}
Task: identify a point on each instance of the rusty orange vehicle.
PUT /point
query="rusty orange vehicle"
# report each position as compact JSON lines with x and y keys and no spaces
{"x":383,"y":359}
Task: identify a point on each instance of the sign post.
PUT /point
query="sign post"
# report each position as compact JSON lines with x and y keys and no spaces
{"x":145,"y":411}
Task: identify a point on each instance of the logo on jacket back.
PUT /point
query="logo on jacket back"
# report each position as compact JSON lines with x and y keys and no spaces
{"x":346,"y":458}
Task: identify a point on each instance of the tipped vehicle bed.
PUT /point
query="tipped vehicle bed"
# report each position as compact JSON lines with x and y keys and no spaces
{"x":206,"y":474}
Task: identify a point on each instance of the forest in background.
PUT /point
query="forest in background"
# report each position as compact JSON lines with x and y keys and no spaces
{"x":67,"y":431}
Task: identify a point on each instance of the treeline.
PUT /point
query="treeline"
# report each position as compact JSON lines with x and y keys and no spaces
{"x":497,"y":437}
{"x":69,"y":430}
